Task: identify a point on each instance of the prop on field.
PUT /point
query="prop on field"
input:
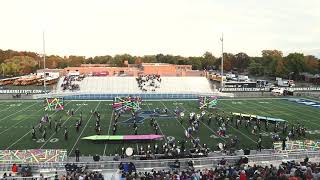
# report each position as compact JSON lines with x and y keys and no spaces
{"x":126,"y":104}
{"x":33,"y":156}
{"x":54,"y":104}
{"x":123,"y":137}
{"x":308,"y":145}
{"x":208,"y":102}
{"x":263,"y":118}
{"x":129,"y":151}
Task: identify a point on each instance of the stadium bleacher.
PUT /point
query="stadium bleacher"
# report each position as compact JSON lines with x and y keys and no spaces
{"x":129,"y":85}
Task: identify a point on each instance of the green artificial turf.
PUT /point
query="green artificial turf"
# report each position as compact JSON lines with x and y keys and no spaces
{"x":18,"y":117}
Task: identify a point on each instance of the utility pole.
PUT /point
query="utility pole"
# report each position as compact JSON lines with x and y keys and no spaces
{"x":221,"y":39}
{"x":3,"y":70}
{"x":44,"y":64}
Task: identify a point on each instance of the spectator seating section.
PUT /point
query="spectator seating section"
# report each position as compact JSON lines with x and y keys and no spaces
{"x":129,"y":85}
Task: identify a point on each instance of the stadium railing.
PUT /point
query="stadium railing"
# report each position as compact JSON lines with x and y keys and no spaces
{"x":110,"y":96}
{"x":164,"y":163}
{"x":268,"y":89}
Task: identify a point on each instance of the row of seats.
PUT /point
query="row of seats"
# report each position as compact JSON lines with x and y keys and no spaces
{"x":129,"y":85}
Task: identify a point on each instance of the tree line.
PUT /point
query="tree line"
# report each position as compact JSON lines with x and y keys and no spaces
{"x":271,"y":63}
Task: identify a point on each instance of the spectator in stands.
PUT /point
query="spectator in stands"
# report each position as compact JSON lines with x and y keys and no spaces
{"x":4,"y":175}
{"x":14,"y":168}
{"x":243,"y":175}
{"x":222,"y":162}
{"x":151,"y":80}
{"x":56,"y":177}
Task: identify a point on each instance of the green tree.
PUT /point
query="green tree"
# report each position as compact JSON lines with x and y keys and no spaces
{"x":149,"y":59}
{"x":242,"y":61}
{"x":208,"y":61}
{"x":296,"y":63}
{"x":270,"y":60}
{"x":255,"y":68}
{"x":281,"y":70}
{"x":76,"y":61}
{"x":102,"y":59}
{"x":312,"y":64}
{"x":195,"y":62}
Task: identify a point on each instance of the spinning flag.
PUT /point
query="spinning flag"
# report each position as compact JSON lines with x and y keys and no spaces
{"x":208,"y":102}
{"x":126,"y":103}
{"x":54,"y":104}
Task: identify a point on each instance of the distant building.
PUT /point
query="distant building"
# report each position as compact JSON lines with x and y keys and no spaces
{"x":55,"y":73}
{"x":163,"y":69}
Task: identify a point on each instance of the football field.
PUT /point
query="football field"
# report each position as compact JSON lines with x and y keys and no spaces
{"x":18,"y":117}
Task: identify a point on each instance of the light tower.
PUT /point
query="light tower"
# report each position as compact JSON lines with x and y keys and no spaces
{"x":221,"y":39}
{"x":44,"y":64}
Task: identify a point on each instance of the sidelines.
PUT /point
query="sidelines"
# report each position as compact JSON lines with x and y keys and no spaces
{"x":18,"y":111}
{"x":27,"y":133}
{"x":83,"y":129}
{"x":55,"y":132}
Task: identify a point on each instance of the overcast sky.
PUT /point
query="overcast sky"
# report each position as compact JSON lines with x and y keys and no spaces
{"x":143,"y":27}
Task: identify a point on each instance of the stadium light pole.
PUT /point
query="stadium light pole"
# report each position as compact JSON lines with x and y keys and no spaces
{"x":221,"y":39}
{"x":44,"y":63}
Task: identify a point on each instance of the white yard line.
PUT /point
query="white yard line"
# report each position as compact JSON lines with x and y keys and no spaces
{"x":29,"y":131}
{"x":54,"y":132}
{"x":239,"y":130}
{"x":26,"y":117}
{"x":158,"y":125}
{"x":302,"y":114}
{"x":105,"y":145}
{"x":204,"y":124}
{"x":83,"y":129}
{"x":8,"y":107}
{"x":308,"y":108}
{"x":179,"y":122}
{"x":18,"y":111}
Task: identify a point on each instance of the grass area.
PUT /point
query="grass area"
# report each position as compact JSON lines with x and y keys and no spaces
{"x":18,"y":117}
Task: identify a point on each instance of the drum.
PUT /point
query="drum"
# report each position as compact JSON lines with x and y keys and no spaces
{"x":182,"y":114}
{"x":129,"y":151}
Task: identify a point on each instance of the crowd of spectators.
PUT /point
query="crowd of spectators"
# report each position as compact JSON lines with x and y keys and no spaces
{"x":86,"y":175}
{"x":290,"y":170}
{"x":18,"y":171}
{"x":69,"y":83}
{"x":80,"y":173}
{"x":148,"y":82}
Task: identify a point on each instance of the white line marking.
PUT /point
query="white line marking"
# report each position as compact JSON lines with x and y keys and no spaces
{"x":54,"y":132}
{"x":18,"y":111}
{"x":28,"y":132}
{"x":105,"y":145}
{"x":83,"y":129}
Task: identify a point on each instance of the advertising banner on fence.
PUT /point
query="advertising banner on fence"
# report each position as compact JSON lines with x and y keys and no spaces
{"x":22,"y":91}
